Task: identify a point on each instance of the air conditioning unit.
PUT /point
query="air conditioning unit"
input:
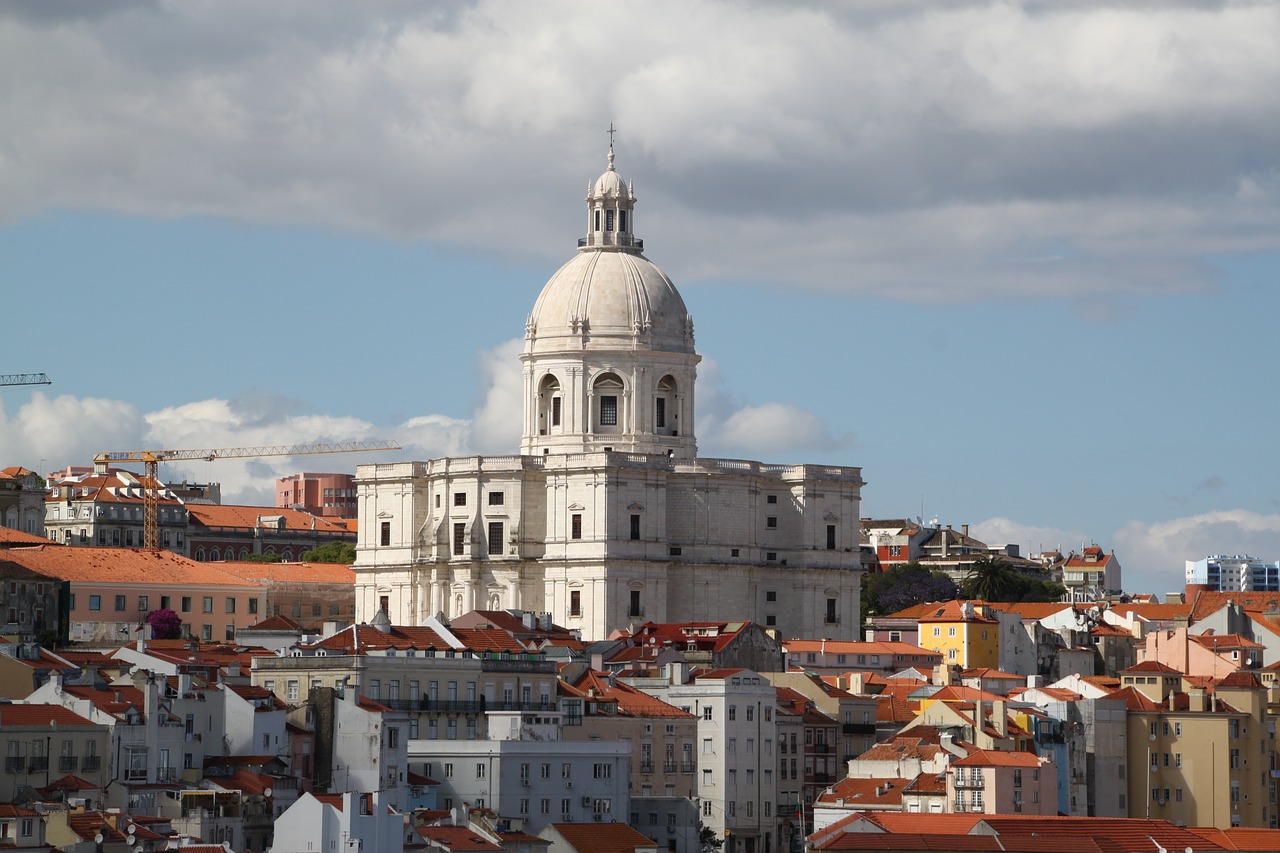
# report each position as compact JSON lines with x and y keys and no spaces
{"x":586,"y":801}
{"x":524,"y":783}
{"x":568,"y":783}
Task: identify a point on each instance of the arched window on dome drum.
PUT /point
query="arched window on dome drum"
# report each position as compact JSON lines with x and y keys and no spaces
{"x":608,"y":389}
{"x":608,"y":220}
{"x":597,"y":219}
{"x":622,"y":221}
{"x":665,"y":408}
{"x":549,"y":404}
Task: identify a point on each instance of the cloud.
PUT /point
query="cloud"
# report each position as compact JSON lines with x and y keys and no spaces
{"x":56,"y":431}
{"x":498,"y":424}
{"x":1032,"y":539}
{"x":1158,"y":551}
{"x":772,"y":429}
{"x":979,"y":150}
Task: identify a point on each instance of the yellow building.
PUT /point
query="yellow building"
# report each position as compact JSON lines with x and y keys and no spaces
{"x":1195,"y":757}
{"x":963,"y":632}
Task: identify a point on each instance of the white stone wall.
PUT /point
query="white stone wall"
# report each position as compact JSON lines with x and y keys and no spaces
{"x":707,"y":549}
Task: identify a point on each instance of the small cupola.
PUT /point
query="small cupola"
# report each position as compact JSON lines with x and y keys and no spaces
{"x":610,"y":205}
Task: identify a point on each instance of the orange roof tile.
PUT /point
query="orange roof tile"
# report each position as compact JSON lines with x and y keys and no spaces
{"x":457,"y":838}
{"x":249,"y":517}
{"x":121,"y":565}
{"x":40,"y":715}
{"x":630,"y":702}
{"x":602,"y":837}
{"x":9,"y":536}
{"x":857,"y":793}
{"x":301,"y":572}
{"x":997,"y":758}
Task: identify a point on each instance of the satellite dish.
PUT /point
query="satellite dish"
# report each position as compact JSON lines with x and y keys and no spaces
{"x":138,"y":849}
{"x":266,"y":792}
{"x":226,"y":845}
{"x":98,"y":838}
{"x":131,"y":839}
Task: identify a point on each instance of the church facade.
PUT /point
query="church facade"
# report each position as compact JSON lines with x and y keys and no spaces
{"x":608,"y":518}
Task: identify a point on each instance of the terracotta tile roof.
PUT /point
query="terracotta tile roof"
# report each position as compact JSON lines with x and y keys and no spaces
{"x":1106,"y":629}
{"x":706,"y":636}
{"x":111,"y":699}
{"x":9,"y":536}
{"x":926,"y":824}
{"x":357,"y":639}
{"x":122,"y":565}
{"x":420,"y":780}
{"x":40,"y":715}
{"x":487,"y":640}
{"x":719,"y":674}
{"x":628,"y":701}
{"x":249,"y":517}
{"x":961,"y":693}
{"x":1035,"y":609}
{"x":1224,"y":642}
{"x":70,"y":782}
{"x":243,"y":780}
{"x":953,"y":611}
{"x":276,"y":623}
{"x":1133,"y":699}
{"x":903,"y":746}
{"x":1151,"y":666}
{"x":1060,"y":693}
{"x":909,"y":841}
{"x":866,"y":792}
{"x":916,"y":611}
{"x":1240,"y":838}
{"x":891,"y":709}
{"x":334,"y":573}
{"x":997,"y":758}
{"x":1153,"y":612}
{"x":602,"y":837}
{"x":334,"y":800}
{"x":457,"y":838}
{"x":928,"y":783}
{"x":1241,"y":679}
{"x":1209,"y":602}
{"x":988,"y":672}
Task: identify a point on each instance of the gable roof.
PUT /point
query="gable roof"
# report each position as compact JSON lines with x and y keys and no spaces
{"x":122,"y":565}
{"x":602,"y":837}
{"x":250,"y":517}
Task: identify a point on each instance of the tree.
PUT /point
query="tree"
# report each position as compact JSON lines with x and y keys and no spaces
{"x":333,"y":552}
{"x":904,"y":586}
{"x":995,"y":579}
{"x":992,"y":579}
{"x":263,"y":558}
{"x":165,"y":624}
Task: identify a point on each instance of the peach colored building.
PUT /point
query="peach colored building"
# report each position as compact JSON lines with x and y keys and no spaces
{"x":308,"y":593}
{"x":318,"y":494}
{"x":108,"y":592}
{"x":1003,"y":782}
{"x":230,"y":532}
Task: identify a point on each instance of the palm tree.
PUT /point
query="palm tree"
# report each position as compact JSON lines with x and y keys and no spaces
{"x":992,"y":579}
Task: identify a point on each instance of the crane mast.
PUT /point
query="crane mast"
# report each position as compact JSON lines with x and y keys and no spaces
{"x":25,"y":379}
{"x":152,"y":459}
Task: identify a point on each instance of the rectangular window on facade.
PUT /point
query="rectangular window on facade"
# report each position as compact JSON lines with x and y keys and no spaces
{"x":231,"y":604}
{"x":608,"y":410}
{"x":459,"y":498}
{"x":495,"y":537}
{"x":385,"y":530}
{"x":635,"y":604}
{"x":635,"y":527}
{"x":555,"y":411}
{"x":772,"y":499}
{"x":497,"y":498}
{"x":771,"y":521}
{"x":831,"y":537}
{"x":459,"y":539}
{"x":95,"y":602}
{"x":143,"y":604}
{"x":120,"y":603}
{"x":831,"y":612}
{"x":660,"y":412}
{"x":575,"y":603}
{"x":608,"y":220}
{"x":575,"y":526}
{"x":207,"y":604}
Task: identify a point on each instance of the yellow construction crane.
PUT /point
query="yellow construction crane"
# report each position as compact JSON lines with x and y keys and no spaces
{"x":153,"y":458}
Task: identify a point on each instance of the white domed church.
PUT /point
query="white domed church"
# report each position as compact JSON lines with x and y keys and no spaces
{"x":608,"y":518}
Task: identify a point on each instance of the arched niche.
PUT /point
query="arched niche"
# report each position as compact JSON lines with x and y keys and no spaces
{"x":550,"y":405}
{"x":607,"y":391}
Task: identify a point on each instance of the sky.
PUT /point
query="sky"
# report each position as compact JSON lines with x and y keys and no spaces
{"x":1016,"y":260}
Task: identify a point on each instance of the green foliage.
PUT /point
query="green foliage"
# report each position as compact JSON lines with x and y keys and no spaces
{"x":263,"y":558}
{"x":333,"y":552}
{"x":707,"y":837}
{"x":995,"y":579}
{"x":904,"y":586}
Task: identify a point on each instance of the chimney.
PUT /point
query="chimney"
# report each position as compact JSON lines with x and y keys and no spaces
{"x":964,"y":530}
{"x":1000,"y":713}
{"x":597,"y":661}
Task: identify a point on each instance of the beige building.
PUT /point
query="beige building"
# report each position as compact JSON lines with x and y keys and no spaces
{"x":608,"y":518}
{"x":1198,"y":758}
{"x":1003,"y":782}
{"x":44,"y":745}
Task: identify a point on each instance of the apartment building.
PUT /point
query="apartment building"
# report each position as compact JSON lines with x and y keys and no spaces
{"x":46,"y":743}
{"x":1002,"y":782}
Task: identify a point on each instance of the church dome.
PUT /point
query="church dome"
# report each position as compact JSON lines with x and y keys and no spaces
{"x":610,"y":294}
{"x":602,"y":295}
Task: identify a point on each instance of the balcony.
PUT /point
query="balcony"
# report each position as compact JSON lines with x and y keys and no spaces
{"x":14,"y":764}
{"x":68,"y":763}
{"x":687,"y":767}
{"x":166,"y":774}
{"x":821,"y":748}
{"x":822,"y":778}
{"x":859,"y":728}
{"x":38,"y":764}
{"x":91,"y":764}
{"x":646,"y":766}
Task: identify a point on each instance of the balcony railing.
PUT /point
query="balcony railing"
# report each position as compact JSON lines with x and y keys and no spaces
{"x":38,"y":764}
{"x":668,"y":767}
{"x":687,"y":767}
{"x":859,"y":728}
{"x":646,"y":766}
{"x":821,"y":748}
{"x":68,"y":763}
{"x":14,"y":764}
{"x":91,"y":763}
{"x":166,"y":774}
{"x":822,"y":778}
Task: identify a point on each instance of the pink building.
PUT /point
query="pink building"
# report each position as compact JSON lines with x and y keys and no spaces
{"x":1002,"y":782}
{"x":318,"y":494}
